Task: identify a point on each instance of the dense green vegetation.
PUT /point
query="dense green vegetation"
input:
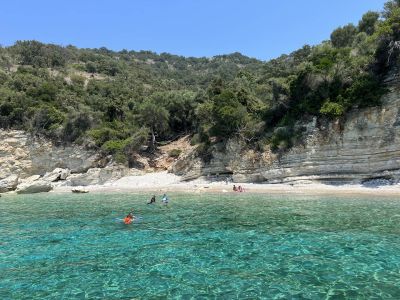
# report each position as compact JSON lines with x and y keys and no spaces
{"x":124,"y":102}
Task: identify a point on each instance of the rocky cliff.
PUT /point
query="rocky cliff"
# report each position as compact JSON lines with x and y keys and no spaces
{"x":24,"y":155}
{"x":29,"y":164}
{"x":365,"y":145}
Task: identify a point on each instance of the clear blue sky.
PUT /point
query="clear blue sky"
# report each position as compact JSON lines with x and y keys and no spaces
{"x":258,"y":28}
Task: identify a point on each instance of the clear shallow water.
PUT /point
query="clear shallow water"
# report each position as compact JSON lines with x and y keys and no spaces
{"x":201,"y":246}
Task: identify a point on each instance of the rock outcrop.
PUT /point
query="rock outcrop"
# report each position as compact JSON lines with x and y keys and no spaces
{"x":8,"y":184}
{"x":24,"y":155}
{"x":34,"y":184}
{"x":97,"y":176}
{"x":31,"y":165}
{"x":364,"y":146}
{"x":56,"y":175}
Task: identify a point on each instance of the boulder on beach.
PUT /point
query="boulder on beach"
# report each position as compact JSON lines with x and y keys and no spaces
{"x":38,"y":186}
{"x":97,"y":176}
{"x":56,"y":174}
{"x":33,"y":185}
{"x":9,"y":183}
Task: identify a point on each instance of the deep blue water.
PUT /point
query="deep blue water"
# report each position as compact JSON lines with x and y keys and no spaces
{"x":201,"y":246}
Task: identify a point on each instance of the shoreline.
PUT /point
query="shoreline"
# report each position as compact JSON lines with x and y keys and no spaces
{"x":164,"y":182}
{"x":276,"y":189}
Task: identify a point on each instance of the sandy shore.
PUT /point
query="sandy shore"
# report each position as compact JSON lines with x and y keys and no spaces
{"x":164,"y":182}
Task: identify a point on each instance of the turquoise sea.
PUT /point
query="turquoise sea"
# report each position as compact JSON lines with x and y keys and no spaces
{"x":231,"y":246}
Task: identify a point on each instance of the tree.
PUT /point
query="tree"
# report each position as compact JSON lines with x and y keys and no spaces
{"x":368,"y":22}
{"x":389,"y":7}
{"x":155,"y":117}
{"x":343,"y":36}
{"x":40,"y":55}
{"x":228,"y":114}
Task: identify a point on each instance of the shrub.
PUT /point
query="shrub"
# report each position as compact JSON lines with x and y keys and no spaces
{"x":76,"y":126}
{"x":195,"y":139}
{"x":46,"y":118}
{"x":138,"y":139}
{"x":114,"y":146}
{"x":174,"y":153}
{"x":102,"y":135}
{"x":332,"y":109}
{"x":366,"y":91}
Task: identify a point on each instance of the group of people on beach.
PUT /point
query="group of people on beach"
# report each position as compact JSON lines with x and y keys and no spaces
{"x":130,"y":217}
{"x":238,"y":189}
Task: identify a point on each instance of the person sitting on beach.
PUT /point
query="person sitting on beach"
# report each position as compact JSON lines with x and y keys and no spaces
{"x":234,"y":188}
{"x":165,"y":199}
{"x":152,"y":200}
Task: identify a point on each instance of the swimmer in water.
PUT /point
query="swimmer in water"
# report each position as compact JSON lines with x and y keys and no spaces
{"x":152,"y":200}
{"x":165,"y":199}
{"x":129,"y":218}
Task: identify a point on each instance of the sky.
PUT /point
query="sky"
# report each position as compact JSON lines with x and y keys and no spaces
{"x":263,"y":29}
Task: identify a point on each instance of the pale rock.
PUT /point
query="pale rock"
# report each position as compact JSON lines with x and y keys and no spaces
{"x":29,"y":179}
{"x":57,"y":174}
{"x":9,"y":184}
{"x":38,"y":186}
{"x":26,"y":155}
{"x":96,"y":176}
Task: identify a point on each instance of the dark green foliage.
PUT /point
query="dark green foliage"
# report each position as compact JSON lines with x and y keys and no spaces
{"x":227,"y":113}
{"x":389,"y":7}
{"x":40,"y":55}
{"x":76,"y":126}
{"x":282,"y":139}
{"x":46,"y":120}
{"x":154,"y":116}
{"x":388,"y":37}
{"x":368,"y":22}
{"x":365,"y":91}
{"x":343,"y":36}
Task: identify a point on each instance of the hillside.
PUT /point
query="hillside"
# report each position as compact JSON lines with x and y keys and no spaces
{"x":128,"y":102}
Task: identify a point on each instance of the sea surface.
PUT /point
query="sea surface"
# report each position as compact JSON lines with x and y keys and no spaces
{"x":230,"y":246}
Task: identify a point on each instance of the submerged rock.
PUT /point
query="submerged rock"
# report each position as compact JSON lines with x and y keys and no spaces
{"x":79,"y":191}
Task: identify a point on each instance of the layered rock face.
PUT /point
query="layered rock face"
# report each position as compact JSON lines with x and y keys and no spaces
{"x":23,"y":155}
{"x":364,"y":146}
{"x":33,"y":165}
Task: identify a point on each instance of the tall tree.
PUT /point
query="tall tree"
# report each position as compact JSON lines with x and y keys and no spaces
{"x":343,"y":36}
{"x":155,"y":117}
{"x":368,"y":22}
